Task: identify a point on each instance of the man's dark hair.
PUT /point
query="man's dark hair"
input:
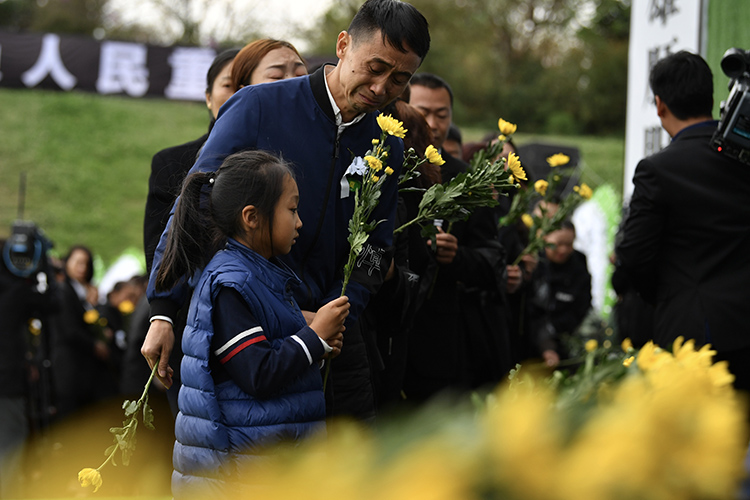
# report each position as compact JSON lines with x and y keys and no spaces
{"x":454,"y":133}
{"x":683,"y":81}
{"x":432,"y":82}
{"x":400,"y":23}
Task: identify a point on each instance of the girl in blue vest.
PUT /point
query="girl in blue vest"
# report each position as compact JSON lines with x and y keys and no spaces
{"x":250,"y":371}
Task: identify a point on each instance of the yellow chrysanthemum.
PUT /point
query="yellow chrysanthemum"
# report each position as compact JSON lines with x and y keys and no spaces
{"x":514,"y":164}
{"x":505,"y":127}
{"x":527,"y":220}
{"x":584,"y":191}
{"x":126,"y":307}
{"x":391,"y":126}
{"x":88,"y":477}
{"x":651,"y":355}
{"x":591,"y":345}
{"x":91,"y":316}
{"x":388,"y":170}
{"x":375,"y":178}
{"x":374,"y":162}
{"x":540,"y":186}
{"x":433,"y":156}
{"x":627,"y":345}
{"x":558,"y":160}
{"x":628,"y":361}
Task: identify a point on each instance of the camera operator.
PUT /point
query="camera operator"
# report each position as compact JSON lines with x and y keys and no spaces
{"x":686,"y":242}
{"x":21,"y":299}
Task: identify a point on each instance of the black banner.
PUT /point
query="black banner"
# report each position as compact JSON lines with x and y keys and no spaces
{"x":66,"y":62}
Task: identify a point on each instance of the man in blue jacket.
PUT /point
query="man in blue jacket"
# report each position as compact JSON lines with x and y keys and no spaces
{"x":320,"y":123}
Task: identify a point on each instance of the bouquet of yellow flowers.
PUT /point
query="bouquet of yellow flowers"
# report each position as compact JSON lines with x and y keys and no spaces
{"x":478,"y":187}
{"x":551,"y":209}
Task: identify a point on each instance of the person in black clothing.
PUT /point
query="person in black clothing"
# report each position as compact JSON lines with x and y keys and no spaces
{"x":569,"y":282}
{"x":467,"y":259}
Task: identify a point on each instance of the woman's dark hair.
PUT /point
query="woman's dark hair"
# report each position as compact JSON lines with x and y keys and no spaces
{"x":89,"y":267}
{"x":400,"y":23}
{"x":218,"y":64}
{"x":245,"y":178}
{"x":249,"y":57}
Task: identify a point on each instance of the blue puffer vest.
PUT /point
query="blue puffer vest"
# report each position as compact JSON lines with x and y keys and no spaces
{"x":221,"y":429}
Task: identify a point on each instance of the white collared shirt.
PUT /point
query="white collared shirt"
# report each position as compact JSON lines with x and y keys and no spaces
{"x":337,"y":111}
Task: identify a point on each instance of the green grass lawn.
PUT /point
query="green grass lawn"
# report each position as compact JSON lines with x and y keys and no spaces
{"x":87,"y":159}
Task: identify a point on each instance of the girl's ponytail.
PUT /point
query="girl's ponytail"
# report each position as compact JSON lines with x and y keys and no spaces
{"x":190,"y":234}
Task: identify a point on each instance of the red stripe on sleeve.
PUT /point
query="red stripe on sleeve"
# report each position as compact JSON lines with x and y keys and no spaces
{"x":237,"y":349}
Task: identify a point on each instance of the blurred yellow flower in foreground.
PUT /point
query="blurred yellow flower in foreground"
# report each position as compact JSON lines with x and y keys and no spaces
{"x":541,"y":186}
{"x":514,"y":164}
{"x":591,"y":345}
{"x":558,"y":160}
{"x":506,"y":128}
{"x":91,"y":316}
{"x":628,"y":362}
{"x":627,"y":345}
{"x":89,"y":477}
{"x":433,"y":156}
{"x":391,"y":126}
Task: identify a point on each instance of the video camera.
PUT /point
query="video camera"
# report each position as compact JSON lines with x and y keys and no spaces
{"x":732,"y":137}
{"x":25,"y":252}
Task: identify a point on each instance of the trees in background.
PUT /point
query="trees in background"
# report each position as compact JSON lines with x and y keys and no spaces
{"x":552,"y":66}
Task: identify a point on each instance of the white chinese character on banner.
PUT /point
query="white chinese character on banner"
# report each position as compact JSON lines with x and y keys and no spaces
{"x":370,"y":258}
{"x":122,"y":68}
{"x":49,"y":63}
{"x":189,"y":68}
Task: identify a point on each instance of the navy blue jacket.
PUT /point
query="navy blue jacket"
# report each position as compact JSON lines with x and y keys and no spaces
{"x":220,"y":428}
{"x":294,"y":118}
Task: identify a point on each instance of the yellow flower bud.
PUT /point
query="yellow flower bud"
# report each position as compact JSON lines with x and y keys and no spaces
{"x":375,"y":178}
{"x":540,"y":186}
{"x":527,"y":220}
{"x":628,"y":361}
{"x":558,"y":160}
{"x":627,"y":345}
{"x":375,"y":142}
{"x":591,"y":345}
{"x":91,"y":316}
{"x":388,"y":170}
{"x":501,"y":137}
{"x":126,"y":307}
{"x":506,"y":128}
{"x":433,"y":156}
{"x":88,"y":477}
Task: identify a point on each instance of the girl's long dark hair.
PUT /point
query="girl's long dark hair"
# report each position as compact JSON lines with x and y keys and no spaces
{"x":197,"y":232}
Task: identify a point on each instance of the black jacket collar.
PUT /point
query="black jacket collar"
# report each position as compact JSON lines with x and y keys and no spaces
{"x":318,"y":84}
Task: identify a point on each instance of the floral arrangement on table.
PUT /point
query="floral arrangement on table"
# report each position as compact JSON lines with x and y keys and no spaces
{"x":551,"y":208}
{"x":647,"y":425}
{"x":488,"y":175}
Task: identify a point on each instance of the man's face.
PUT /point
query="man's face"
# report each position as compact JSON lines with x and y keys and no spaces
{"x":435,"y":105}
{"x":372,"y":73}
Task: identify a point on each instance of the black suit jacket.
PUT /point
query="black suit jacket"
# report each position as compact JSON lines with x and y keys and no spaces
{"x":168,"y":169}
{"x":686,"y":243}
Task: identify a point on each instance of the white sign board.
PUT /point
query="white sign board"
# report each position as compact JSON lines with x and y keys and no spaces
{"x":657,"y":29}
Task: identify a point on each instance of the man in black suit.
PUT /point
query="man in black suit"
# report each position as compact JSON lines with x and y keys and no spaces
{"x":456,"y":343}
{"x":686,"y":242}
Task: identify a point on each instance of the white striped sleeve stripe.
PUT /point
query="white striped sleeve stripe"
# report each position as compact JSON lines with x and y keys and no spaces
{"x":302,"y":343}
{"x":237,"y":338}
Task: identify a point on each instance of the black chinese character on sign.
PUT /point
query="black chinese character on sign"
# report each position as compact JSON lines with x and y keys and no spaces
{"x":662,"y":9}
{"x":652,"y":142}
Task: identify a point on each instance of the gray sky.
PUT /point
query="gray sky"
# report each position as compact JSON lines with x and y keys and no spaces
{"x":276,"y":18}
